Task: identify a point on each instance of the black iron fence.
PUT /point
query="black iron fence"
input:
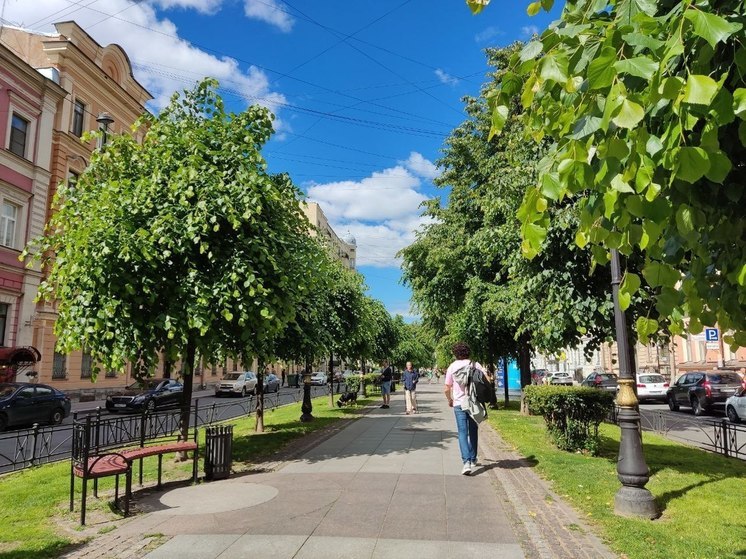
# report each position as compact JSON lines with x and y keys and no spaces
{"x":715,"y":435}
{"x":50,"y":443}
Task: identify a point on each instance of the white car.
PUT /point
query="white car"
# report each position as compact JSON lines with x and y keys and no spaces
{"x":318,"y":378}
{"x":735,"y":406}
{"x":560,"y":378}
{"x":237,"y":383}
{"x":651,"y":386}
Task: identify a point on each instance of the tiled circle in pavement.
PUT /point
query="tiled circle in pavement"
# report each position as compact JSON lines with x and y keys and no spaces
{"x":210,"y":498}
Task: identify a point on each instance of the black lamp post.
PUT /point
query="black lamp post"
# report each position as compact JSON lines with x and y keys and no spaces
{"x":306,"y":408}
{"x":104,"y":120}
{"x":632,"y":499}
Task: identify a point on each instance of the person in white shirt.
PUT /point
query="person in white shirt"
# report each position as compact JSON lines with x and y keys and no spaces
{"x":468,"y":429}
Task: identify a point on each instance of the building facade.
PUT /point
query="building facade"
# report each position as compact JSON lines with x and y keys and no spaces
{"x":95,"y":79}
{"x":344,"y":249}
{"x":28,"y":103}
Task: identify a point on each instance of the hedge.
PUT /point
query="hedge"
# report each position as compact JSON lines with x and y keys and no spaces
{"x":572,"y":414}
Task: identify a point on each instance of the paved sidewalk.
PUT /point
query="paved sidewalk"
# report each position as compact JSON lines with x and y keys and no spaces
{"x":386,"y":486}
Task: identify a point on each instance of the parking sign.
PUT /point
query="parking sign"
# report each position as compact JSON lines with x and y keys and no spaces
{"x":712,"y":334}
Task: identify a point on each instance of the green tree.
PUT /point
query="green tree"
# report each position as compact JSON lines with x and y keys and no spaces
{"x":181,"y":244}
{"x":645,"y":106}
{"x":415,"y":344}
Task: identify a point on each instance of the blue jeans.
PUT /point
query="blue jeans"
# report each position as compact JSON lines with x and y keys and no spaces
{"x":468,"y":435}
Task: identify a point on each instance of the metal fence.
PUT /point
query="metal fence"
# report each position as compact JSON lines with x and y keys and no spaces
{"x":715,"y":435}
{"x":49,"y":443}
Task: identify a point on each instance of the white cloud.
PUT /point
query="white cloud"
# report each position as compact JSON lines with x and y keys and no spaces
{"x":446,"y":78}
{"x":421,"y":166}
{"x":488,"y":34}
{"x":203,"y":6}
{"x":163,"y":62}
{"x":270,"y":12}
{"x":382,"y":211}
{"x":529,"y":30}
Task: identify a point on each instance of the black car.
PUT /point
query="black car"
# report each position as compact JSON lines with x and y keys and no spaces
{"x":150,"y":395}
{"x":700,"y":390}
{"x":603,"y":381}
{"x":23,"y":403}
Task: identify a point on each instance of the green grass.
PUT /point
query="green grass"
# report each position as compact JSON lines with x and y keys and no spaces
{"x":35,"y":522}
{"x":701,"y":495}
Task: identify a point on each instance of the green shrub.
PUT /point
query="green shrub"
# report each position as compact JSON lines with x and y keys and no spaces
{"x":370,"y":379}
{"x":572,"y":414}
{"x":353,"y":383}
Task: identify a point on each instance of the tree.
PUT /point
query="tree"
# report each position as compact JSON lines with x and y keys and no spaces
{"x":179,"y":245}
{"x":415,"y":344}
{"x":643,"y":101}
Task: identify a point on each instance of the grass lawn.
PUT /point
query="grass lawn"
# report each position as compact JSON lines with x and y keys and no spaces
{"x":35,"y":522}
{"x":701,"y":495}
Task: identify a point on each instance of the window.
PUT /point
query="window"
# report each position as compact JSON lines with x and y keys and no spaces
{"x":26,"y":393}
{"x":72,"y":178}
{"x":43,"y":391}
{"x":78,"y":117}
{"x":18,"y":132}
{"x":8,"y":225}
{"x":3,"y":321}
{"x":85,"y":365}
{"x":59,"y":365}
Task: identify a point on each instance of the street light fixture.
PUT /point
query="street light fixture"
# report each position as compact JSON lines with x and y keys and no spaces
{"x":632,"y":499}
{"x":306,"y":408}
{"x":104,"y":120}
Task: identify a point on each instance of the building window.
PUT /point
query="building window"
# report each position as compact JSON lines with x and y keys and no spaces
{"x":18,"y":133}
{"x":86,"y":365}
{"x":8,"y":225}
{"x":78,"y":117}
{"x":59,"y":365}
{"x":3,"y":322}
{"x":72,"y":178}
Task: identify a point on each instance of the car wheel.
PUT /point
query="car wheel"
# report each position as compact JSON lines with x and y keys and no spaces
{"x":243,"y":392}
{"x":732,"y":415}
{"x":150,"y":406}
{"x":672,"y":403}
{"x":57,"y":416}
{"x":697,"y":407}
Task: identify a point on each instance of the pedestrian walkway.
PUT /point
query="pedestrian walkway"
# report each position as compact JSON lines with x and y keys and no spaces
{"x":389,"y":485}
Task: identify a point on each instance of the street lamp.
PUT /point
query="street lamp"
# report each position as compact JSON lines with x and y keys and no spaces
{"x":632,"y":499}
{"x":306,"y":408}
{"x":104,"y":121}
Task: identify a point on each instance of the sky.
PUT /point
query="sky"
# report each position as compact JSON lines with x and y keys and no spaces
{"x":365,"y":93}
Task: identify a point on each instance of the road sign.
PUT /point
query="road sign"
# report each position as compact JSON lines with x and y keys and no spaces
{"x":712,"y":334}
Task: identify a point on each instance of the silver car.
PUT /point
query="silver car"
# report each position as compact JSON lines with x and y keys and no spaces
{"x":735,"y":406}
{"x":562,"y":378}
{"x":237,"y":383}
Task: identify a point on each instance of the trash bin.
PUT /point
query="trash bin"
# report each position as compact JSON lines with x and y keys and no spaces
{"x":293,"y":380}
{"x":218,"y":452}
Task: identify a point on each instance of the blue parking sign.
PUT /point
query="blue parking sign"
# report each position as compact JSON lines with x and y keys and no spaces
{"x":712,"y":334}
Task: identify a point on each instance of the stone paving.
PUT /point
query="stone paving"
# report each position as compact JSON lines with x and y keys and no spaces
{"x":386,"y":485}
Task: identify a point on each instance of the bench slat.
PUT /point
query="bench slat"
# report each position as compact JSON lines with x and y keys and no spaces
{"x":104,"y":465}
{"x":155,"y":450}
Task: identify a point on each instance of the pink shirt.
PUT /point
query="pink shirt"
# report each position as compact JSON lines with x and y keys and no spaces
{"x":458,"y":390}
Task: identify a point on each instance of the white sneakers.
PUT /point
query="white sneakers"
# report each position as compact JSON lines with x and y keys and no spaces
{"x":466,"y":470}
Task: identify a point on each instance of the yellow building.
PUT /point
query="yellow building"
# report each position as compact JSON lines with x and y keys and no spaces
{"x":342,"y":248}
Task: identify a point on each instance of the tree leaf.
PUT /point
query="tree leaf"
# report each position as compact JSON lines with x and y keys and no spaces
{"x":699,"y":90}
{"x":630,"y":285}
{"x":499,"y":117}
{"x":691,"y":164}
{"x":660,"y":274}
{"x":640,"y":66}
{"x":531,"y":50}
{"x":554,"y":67}
{"x":601,"y":71}
{"x":739,"y":103}
{"x":628,"y":115}
{"x":684,"y":220}
{"x":533,"y":8}
{"x":620,"y":185}
{"x":720,"y":167}
{"x":711,"y":27}
{"x":646,"y":327}
{"x":477,"y":6}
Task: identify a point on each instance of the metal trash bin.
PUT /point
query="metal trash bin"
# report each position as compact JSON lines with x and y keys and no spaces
{"x":218,"y":452}
{"x":293,"y":380}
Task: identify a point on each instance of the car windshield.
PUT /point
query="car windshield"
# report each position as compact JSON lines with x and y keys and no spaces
{"x":724,"y":378}
{"x":232,"y":376}
{"x":608,"y":376}
{"x":6,"y":390}
{"x":151,"y":384}
{"x":652,"y":378}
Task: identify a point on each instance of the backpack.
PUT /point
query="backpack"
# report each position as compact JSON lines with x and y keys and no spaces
{"x":482,"y":387}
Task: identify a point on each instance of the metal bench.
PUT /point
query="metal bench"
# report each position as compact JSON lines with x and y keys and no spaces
{"x":103,"y":447}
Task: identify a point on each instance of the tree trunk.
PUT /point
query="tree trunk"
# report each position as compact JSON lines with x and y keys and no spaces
{"x":259,"y":427}
{"x":524,"y":365}
{"x":491,"y":367}
{"x":186,"y":402}
{"x":168,"y":365}
{"x":505,"y":381}
{"x":331,"y":379}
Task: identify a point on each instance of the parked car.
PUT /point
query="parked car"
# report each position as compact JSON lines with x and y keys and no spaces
{"x":318,"y":378}
{"x":23,"y":403}
{"x":562,"y":378}
{"x":651,"y":386}
{"x":238,"y":383}
{"x":603,"y":381}
{"x":152,"y":394}
{"x":735,"y":406}
{"x":701,"y":390}
{"x":271,"y":383}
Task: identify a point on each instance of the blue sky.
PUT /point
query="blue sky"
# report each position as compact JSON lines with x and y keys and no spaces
{"x":364,"y":92}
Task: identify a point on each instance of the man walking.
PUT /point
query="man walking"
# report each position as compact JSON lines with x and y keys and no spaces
{"x":386,"y":377}
{"x":410,"y":378}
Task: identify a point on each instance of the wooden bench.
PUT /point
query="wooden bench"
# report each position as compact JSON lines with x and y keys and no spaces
{"x":102,"y":447}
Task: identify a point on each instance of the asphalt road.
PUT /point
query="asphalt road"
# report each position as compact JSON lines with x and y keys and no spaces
{"x":56,"y":441}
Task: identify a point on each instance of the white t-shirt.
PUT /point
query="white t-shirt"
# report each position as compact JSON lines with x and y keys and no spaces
{"x":459,"y":391}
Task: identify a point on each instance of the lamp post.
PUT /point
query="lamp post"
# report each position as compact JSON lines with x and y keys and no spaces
{"x":104,"y":121}
{"x":306,"y":408}
{"x":632,"y":499}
